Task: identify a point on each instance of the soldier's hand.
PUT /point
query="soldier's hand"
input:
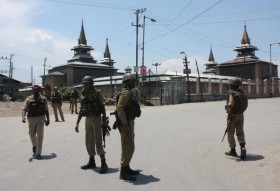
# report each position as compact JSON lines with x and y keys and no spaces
{"x":23,"y":120}
{"x":77,"y":128}
{"x":47,"y":122}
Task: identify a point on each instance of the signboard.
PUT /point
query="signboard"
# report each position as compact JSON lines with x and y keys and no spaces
{"x":143,"y":70}
{"x":187,"y":71}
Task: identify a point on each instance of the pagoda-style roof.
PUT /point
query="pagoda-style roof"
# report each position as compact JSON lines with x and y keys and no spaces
{"x":82,"y":52}
{"x":245,"y":48}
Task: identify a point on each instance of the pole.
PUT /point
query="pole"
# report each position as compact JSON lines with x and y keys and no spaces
{"x":45,"y":60}
{"x":111,"y":85}
{"x":270,"y":66}
{"x":137,"y":26}
{"x":186,"y":62}
{"x":200,"y":90}
{"x":11,"y":75}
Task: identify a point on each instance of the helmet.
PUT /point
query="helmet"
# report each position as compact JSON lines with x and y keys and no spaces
{"x":129,"y":76}
{"x":87,"y":79}
{"x":235,"y":81}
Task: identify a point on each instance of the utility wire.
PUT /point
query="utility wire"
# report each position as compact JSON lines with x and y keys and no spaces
{"x":88,"y":4}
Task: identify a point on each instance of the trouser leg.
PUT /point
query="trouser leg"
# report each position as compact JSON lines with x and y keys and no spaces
{"x":128,"y":147}
{"x":60,"y":113}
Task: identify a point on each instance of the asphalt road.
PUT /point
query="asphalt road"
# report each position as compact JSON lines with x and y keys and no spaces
{"x":178,"y":147}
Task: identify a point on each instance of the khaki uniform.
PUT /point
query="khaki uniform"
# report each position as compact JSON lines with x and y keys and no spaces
{"x":93,"y":127}
{"x":74,"y":101}
{"x":56,"y":98}
{"x":127,"y":142}
{"x":236,"y":126}
{"x":36,"y":120}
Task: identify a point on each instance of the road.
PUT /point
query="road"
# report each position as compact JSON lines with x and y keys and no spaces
{"x":178,"y":147}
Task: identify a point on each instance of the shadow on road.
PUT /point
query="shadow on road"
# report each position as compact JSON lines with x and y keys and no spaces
{"x":44,"y":157}
{"x":145,"y":179}
{"x":110,"y":170}
{"x":249,"y":157}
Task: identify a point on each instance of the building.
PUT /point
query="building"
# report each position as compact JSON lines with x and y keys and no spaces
{"x":80,"y":65}
{"x":246,"y":64}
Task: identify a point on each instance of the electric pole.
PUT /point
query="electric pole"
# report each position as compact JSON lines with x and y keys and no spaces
{"x":137,"y":26}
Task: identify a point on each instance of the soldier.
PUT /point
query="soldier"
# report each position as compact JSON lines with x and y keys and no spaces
{"x":236,"y":105}
{"x":127,"y":110}
{"x":36,"y":107}
{"x":92,"y":107}
{"x":74,"y":96}
{"x":56,"y":98}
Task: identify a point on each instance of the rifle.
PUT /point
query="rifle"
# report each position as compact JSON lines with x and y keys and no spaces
{"x":228,"y":125}
{"x":117,"y":123}
{"x":105,"y":131}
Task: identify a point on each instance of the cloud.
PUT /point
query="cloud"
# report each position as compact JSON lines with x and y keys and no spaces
{"x":29,"y":43}
{"x":177,"y":65}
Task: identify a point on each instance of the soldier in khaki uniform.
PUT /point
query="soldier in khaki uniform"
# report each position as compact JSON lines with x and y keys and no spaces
{"x":56,"y":98}
{"x":74,"y":96}
{"x":92,"y":107}
{"x":236,"y":105}
{"x":36,"y":108}
{"x":127,"y":110}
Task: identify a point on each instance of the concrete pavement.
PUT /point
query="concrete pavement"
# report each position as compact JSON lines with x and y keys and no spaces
{"x":178,"y":147}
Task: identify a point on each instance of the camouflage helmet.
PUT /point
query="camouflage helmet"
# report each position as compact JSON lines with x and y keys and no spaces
{"x":235,"y":81}
{"x":129,"y":76}
{"x":87,"y":79}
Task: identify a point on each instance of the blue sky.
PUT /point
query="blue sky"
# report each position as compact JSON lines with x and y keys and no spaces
{"x":36,"y":29}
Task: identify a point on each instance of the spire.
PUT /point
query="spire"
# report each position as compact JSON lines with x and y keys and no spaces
{"x":211,"y":57}
{"x":245,"y":37}
{"x":82,"y":39}
{"x":107,"y":51}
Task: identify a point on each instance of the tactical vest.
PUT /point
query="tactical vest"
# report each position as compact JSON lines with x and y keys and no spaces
{"x":132,"y":110}
{"x":56,"y":97}
{"x":74,"y":95}
{"x":90,"y":104}
{"x":240,"y":101}
{"x":36,"y":106}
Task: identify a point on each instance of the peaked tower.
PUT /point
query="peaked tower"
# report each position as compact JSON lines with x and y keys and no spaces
{"x":245,"y":49}
{"x":211,"y":64}
{"x":107,"y":56}
{"x":82,"y":52}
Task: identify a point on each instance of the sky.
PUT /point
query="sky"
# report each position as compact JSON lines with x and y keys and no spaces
{"x":33,"y":30}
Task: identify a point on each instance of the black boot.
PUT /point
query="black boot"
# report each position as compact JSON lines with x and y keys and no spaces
{"x":34,"y":149}
{"x":133,"y":172}
{"x":125,"y":174}
{"x":232,"y":152}
{"x":242,"y":151}
{"x":90,"y":165}
{"x":104,"y":166}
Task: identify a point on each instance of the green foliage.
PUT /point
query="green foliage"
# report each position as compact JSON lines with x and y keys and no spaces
{"x":66,"y":90}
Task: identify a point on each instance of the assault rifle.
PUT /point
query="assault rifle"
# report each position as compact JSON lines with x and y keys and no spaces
{"x":117,"y":123}
{"x":105,"y":131}
{"x":228,"y":126}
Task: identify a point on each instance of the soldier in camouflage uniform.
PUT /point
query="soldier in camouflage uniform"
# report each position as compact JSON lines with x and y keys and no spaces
{"x":127,"y":110}
{"x":56,"y":98}
{"x":92,"y":107}
{"x":236,"y":105}
{"x":36,"y":108}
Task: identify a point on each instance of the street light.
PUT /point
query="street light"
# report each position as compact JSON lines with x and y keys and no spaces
{"x":143,"y":50}
{"x":156,"y":65}
{"x":187,"y":71}
{"x":270,"y":68}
